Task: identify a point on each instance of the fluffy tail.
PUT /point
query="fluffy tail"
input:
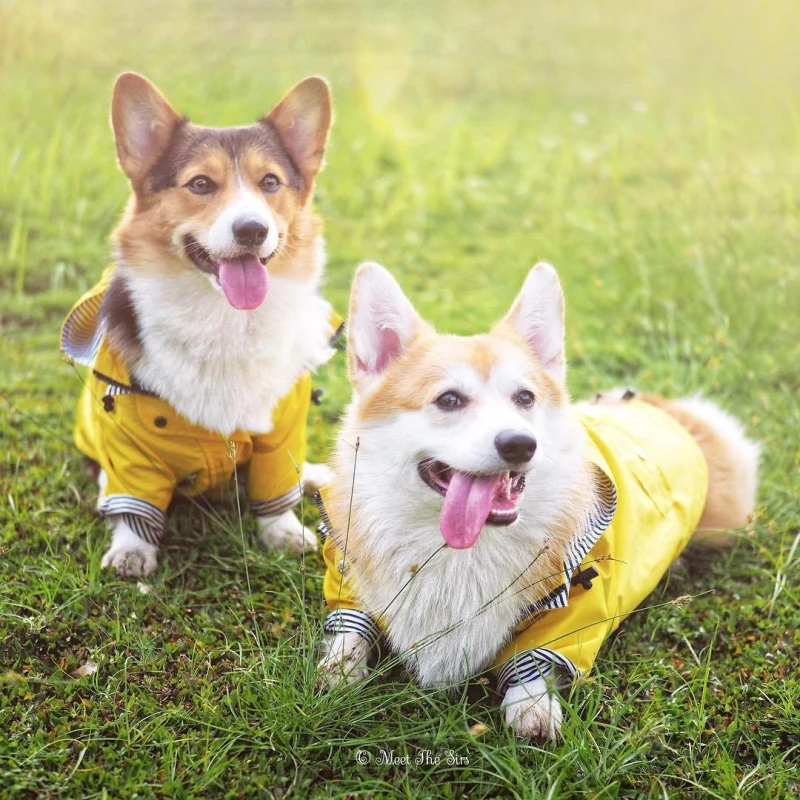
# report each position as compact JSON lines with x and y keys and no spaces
{"x":732,"y":461}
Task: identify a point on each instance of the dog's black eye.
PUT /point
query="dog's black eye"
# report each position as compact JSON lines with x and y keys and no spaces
{"x":524,"y":398}
{"x":201,"y":184}
{"x":450,"y":401}
{"x":270,"y":183}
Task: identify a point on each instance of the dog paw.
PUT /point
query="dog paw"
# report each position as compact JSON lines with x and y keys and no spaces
{"x":344,"y":663}
{"x":285,"y":531}
{"x":335,"y":673}
{"x":533,"y":711}
{"x":129,"y":554}
{"x":137,"y":561}
{"x":315,"y":476}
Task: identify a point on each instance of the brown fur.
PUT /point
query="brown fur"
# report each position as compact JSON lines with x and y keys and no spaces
{"x":409,"y":381}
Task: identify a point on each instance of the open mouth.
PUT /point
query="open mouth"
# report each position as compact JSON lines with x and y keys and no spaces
{"x":472,"y":501}
{"x":243,"y":279}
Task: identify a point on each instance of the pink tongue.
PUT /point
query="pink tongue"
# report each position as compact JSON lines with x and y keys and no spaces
{"x":466,"y":508}
{"x":244,"y":281}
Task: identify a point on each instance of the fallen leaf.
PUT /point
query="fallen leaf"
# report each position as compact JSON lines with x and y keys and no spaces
{"x":89,"y":668}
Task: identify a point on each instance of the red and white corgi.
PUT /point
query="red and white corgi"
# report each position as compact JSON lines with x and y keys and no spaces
{"x":202,"y":333}
{"x":479,"y":520}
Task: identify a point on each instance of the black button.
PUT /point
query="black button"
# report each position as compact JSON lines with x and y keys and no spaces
{"x":161,"y":422}
{"x":585,"y":577}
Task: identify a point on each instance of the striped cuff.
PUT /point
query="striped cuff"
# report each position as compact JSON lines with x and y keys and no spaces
{"x":146,"y":520}
{"x":276,"y":505}
{"x":532,"y":664}
{"x":350,"y":620}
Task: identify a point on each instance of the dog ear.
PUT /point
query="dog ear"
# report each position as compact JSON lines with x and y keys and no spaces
{"x":538,"y":315}
{"x":143,"y":123}
{"x":302,"y":119}
{"x":382,"y":323}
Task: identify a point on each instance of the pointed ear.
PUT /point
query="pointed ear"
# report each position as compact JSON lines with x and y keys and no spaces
{"x":382,"y":323}
{"x":143,"y":123}
{"x":538,"y":316}
{"x":302,"y":119}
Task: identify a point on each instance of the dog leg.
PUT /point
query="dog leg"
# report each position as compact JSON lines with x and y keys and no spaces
{"x":315,"y":476}
{"x":285,"y":530}
{"x":345,"y":660}
{"x":129,"y":554}
{"x":533,"y":710}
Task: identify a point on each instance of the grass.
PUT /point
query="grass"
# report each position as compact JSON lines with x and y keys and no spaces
{"x":650,"y":151}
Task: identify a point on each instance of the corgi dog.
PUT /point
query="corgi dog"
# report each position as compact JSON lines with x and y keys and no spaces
{"x":478,"y":520}
{"x":202,"y":333}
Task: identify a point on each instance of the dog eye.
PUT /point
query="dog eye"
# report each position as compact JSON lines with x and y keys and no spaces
{"x":270,"y":183}
{"x":450,"y":401}
{"x":524,"y":398}
{"x":201,"y":184}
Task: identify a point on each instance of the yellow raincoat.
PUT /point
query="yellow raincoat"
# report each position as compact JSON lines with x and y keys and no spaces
{"x":148,"y":451}
{"x":651,"y":487}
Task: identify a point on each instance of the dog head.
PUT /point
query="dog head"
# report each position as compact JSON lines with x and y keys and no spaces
{"x":470,"y":430}
{"x":224,"y":202}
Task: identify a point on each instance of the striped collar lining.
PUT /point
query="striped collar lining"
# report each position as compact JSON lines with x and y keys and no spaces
{"x":594,"y":523}
{"x":596,"y":519}
{"x":83,"y":331}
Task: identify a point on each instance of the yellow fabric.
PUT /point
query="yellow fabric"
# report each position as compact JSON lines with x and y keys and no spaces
{"x":147,"y":449}
{"x":661,"y":480}
{"x":337,"y":589}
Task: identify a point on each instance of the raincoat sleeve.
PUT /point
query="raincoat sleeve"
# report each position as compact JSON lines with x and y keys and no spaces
{"x":564,"y":642}
{"x":345,"y":615}
{"x":278,"y":456}
{"x":138,"y":483}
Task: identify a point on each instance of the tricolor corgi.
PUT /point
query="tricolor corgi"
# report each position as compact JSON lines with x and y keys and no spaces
{"x":478,"y":520}
{"x":202,"y":333}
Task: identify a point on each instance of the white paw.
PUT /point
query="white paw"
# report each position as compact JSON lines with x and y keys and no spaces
{"x":345,"y":661}
{"x":315,"y":476}
{"x":129,"y":555}
{"x":533,"y":710}
{"x":284,"y":531}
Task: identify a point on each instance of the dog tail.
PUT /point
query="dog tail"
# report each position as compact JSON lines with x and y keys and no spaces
{"x":732,"y":461}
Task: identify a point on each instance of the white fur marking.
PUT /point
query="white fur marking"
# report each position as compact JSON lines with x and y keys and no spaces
{"x":222,"y":368}
{"x":246,"y":206}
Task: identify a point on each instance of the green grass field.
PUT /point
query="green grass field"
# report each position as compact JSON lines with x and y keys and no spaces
{"x":650,"y":151}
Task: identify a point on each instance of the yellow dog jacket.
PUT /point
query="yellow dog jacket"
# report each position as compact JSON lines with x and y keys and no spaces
{"x":148,"y":451}
{"x":651,"y":487}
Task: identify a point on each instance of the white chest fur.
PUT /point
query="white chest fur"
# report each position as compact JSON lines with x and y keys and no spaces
{"x":222,"y":368}
{"x":458,"y":610}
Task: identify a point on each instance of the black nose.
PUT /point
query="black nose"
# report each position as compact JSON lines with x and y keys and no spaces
{"x":249,"y":232}
{"x":515,"y":447}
